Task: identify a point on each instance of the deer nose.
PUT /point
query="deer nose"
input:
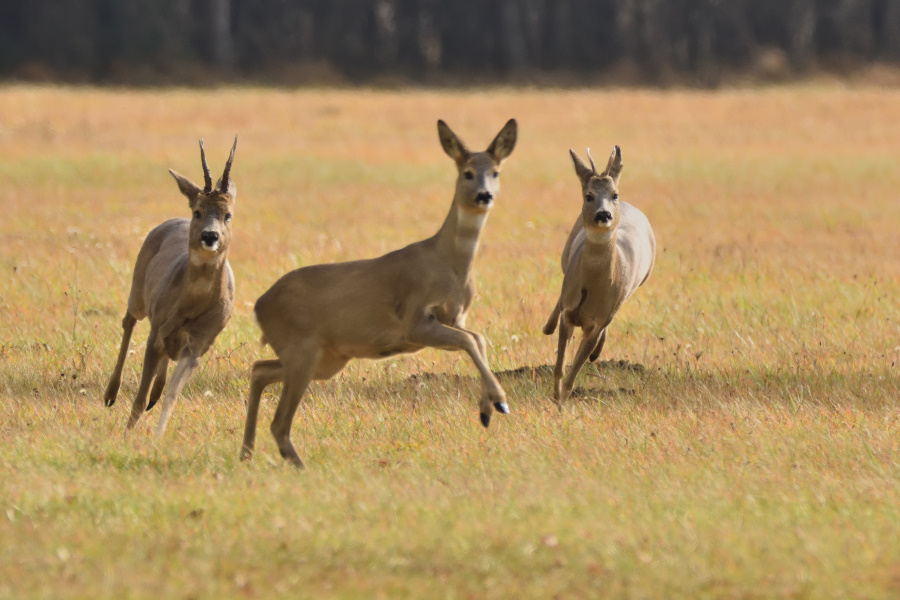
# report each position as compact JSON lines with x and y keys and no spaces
{"x":604,"y":216}
{"x":484,"y":198}
{"x":209,"y":237}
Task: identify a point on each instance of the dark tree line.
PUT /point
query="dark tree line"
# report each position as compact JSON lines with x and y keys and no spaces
{"x":106,"y":40}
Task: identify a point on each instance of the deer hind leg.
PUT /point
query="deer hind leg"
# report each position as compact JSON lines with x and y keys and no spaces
{"x":300,"y":364}
{"x":263,"y":374}
{"x":565,"y":334}
{"x":115,"y":380}
{"x":430,"y":332}
{"x":596,"y":353}
{"x":186,"y":365}
{"x":159,"y":383}
{"x":588,"y":343}
{"x":152,"y":356}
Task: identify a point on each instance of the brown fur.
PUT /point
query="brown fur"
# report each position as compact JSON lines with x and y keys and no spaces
{"x":182,"y":281}
{"x":608,"y":255}
{"x":318,"y":318}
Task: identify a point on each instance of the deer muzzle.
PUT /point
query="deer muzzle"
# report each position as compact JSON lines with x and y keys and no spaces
{"x":210,"y":240}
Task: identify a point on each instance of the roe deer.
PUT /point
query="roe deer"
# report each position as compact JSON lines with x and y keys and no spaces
{"x":609,"y":254}
{"x":317,"y":318}
{"x":183,"y":282}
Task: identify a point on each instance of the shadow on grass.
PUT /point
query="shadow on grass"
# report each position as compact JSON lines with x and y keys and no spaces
{"x":539,"y":376}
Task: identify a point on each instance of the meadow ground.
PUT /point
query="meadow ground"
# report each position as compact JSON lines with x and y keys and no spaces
{"x":745,"y":448}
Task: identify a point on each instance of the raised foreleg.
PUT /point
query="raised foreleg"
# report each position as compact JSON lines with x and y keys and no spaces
{"x":432,"y":333}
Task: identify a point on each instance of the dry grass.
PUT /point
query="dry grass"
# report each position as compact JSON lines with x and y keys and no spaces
{"x":753,"y":456}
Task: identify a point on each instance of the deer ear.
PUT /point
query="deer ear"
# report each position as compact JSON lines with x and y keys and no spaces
{"x":614,"y":166}
{"x":503,"y":144}
{"x":452,"y":145}
{"x":583,"y":171}
{"x":187,"y":187}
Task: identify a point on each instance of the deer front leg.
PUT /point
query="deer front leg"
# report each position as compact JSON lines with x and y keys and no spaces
{"x":159,"y":383}
{"x":565,"y":334}
{"x":550,"y":325}
{"x":596,"y":353}
{"x":263,"y":374}
{"x":115,"y":380}
{"x":434,"y":334}
{"x":186,"y":365}
{"x":588,"y":343}
{"x":152,"y":356}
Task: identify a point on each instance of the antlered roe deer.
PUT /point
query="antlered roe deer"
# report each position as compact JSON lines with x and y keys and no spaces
{"x":318,"y":318}
{"x":182,"y":281}
{"x":608,"y":255}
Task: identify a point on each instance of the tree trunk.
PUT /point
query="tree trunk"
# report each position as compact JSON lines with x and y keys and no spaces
{"x":221,"y":33}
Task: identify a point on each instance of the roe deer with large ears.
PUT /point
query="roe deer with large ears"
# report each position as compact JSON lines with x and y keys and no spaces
{"x":609,"y":254}
{"x":183,"y":282}
{"x":317,"y":318}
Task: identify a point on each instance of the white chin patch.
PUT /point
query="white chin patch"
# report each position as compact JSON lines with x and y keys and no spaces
{"x":470,"y":220}
{"x":598,"y":235}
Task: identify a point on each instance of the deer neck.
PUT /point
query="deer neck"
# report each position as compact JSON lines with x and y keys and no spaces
{"x":204,"y":279}
{"x":459,"y":235}
{"x":600,"y":258}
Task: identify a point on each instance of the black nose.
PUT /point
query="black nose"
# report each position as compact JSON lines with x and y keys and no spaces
{"x":209,"y":237}
{"x":484,"y":198}
{"x":603,"y":216}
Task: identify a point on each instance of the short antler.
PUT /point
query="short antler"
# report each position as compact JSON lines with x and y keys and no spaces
{"x":223,"y":187}
{"x":206,"y":177}
{"x":593,"y":168}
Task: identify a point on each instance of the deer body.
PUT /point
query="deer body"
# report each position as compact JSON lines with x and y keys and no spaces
{"x":318,"y":318}
{"x":609,"y":253}
{"x":182,"y":281}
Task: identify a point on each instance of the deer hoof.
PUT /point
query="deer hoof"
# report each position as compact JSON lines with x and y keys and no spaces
{"x":502,"y":407}
{"x":485,"y":419}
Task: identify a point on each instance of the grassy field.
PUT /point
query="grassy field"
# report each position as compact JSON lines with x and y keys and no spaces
{"x":741,"y":441}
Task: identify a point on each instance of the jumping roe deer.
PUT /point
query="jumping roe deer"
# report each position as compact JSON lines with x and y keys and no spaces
{"x":317,"y":318}
{"x":609,"y":254}
{"x":183,"y":282}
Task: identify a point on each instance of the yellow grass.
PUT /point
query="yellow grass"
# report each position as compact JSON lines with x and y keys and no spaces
{"x":747,"y":448}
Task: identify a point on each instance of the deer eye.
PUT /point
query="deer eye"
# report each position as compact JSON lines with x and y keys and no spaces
{"x":196,"y":214}
{"x":589,"y":197}
{"x":615,"y":196}
{"x":227,"y":217}
{"x":469,"y":175}
{"x":496,"y":174}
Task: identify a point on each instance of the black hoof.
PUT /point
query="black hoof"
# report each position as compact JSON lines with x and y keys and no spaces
{"x":594,"y":357}
{"x":485,"y":419}
{"x":109,"y":402}
{"x":502,"y":407}
{"x":151,"y":405}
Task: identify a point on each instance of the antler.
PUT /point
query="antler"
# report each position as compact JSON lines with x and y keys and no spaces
{"x":206,"y":177}
{"x":593,"y":168}
{"x":223,"y":187}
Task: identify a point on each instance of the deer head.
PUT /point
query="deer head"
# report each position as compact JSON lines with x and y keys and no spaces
{"x":212,"y":210}
{"x":478,"y":179}
{"x":600,"y":193}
